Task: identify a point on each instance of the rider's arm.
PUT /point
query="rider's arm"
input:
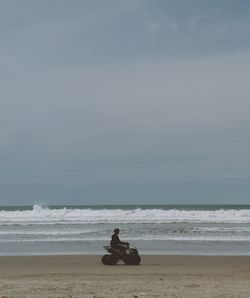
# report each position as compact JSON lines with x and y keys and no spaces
{"x":116,"y":240}
{"x":121,"y":242}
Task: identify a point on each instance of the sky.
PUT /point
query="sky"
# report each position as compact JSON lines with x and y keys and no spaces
{"x":124,"y":102}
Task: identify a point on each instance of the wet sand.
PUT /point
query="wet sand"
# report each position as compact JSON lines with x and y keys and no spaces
{"x":157,"y":276}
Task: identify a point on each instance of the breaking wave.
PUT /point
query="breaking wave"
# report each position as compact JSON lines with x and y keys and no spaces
{"x":43,"y":215}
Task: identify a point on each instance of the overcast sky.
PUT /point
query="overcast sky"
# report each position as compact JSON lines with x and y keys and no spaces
{"x":121,"y":102}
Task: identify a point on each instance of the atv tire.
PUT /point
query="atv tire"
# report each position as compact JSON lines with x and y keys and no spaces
{"x":135,"y":260}
{"x":132,"y":260}
{"x":111,"y":260}
{"x":127,"y":260}
{"x":105,"y":259}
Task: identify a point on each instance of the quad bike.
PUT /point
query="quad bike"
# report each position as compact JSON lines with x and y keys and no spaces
{"x":130,"y":256}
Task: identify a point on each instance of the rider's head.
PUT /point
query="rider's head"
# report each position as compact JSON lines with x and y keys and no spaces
{"x":116,"y":231}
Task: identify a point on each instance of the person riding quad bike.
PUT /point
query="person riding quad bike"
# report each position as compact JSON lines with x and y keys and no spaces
{"x":117,"y":243}
{"x":120,"y":250}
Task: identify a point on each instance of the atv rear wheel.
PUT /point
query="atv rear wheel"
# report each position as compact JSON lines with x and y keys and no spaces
{"x":105,"y":259}
{"x":111,"y":260}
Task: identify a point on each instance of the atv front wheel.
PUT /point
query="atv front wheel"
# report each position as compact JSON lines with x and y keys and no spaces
{"x":135,"y":260}
{"x":132,"y":260}
{"x":127,"y":260}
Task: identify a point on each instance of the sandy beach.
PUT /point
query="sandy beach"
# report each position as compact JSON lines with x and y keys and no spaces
{"x":157,"y":276}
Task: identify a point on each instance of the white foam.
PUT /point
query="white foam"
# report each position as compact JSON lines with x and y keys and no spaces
{"x":140,"y":238}
{"x":41,"y":215}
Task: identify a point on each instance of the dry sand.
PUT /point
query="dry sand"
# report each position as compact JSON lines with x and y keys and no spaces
{"x":157,"y":276}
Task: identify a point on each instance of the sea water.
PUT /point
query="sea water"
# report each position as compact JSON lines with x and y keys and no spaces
{"x":153,"y":229}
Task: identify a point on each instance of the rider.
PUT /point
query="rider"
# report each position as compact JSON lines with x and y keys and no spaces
{"x":117,"y":243}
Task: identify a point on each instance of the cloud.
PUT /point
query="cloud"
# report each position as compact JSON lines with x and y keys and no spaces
{"x":118,"y":110}
{"x":103,"y":98}
{"x":39,"y":35}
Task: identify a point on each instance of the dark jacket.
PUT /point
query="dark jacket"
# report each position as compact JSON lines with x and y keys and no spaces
{"x":116,"y":240}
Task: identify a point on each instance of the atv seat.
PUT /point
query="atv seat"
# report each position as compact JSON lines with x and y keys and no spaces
{"x":111,"y":249}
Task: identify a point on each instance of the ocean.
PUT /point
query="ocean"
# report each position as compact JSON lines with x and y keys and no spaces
{"x":153,"y":229}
